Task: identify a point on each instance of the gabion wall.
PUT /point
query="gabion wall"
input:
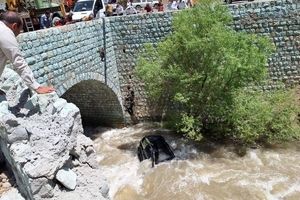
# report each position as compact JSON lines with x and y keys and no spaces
{"x":279,"y":20}
{"x":66,"y":55}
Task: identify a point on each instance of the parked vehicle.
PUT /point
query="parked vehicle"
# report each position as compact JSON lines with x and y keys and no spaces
{"x":88,"y":9}
{"x":139,"y":4}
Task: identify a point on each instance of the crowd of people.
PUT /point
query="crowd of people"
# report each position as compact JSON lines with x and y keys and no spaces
{"x":48,"y":20}
{"x":159,"y":7}
{"x":178,"y":5}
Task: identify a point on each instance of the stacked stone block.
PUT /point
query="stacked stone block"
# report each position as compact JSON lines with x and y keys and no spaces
{"x":57,"y":55}
{"x":280,"y":21}
{"x":66,"y":55}
{"x":277,"y":19}
{"x":130,"y":34}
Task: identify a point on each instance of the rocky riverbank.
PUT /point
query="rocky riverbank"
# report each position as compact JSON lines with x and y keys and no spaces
{"x":41,"y":137}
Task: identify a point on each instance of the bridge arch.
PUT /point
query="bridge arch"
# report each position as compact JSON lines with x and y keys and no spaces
{"x":98,"y":99}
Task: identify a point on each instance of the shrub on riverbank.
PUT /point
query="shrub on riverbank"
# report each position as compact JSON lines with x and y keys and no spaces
{"x":265,"y":117}
{"x":201,"y":68}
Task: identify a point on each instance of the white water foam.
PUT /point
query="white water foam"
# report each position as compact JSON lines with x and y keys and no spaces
{"x":122,"y":175}
{"x":295,"y":187}
{"x":253,"y":156}
{"x":266,"y":186}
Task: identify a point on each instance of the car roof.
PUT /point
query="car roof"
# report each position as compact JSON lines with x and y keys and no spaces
{"x":84,"y":0}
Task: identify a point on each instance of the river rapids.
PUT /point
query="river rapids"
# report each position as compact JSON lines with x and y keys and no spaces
{"x":205,"y":171}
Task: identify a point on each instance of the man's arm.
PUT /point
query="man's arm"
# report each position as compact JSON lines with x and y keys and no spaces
{"x":10,"y":48}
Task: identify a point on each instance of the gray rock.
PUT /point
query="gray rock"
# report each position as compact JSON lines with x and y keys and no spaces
{"x":10,"y":120}
{"x":9,"y":78}
{"x":22,"y":152}
{"x":45,"y":100}
{"x":37,"y":184}
{"x":32,"y":103}
{"x":84,"y":189}
{"x":69,"y":109}
{"x":37,"y":168}
{"x":45,"y":192}
{"x":59,"y":104}
{"x":4,"y":108}
{"x":85,"y":152}
{"x":20,"y":133}
{"x":67,"y":177}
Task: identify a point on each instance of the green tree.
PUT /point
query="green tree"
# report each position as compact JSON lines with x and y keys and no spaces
{"x":200,"y":67}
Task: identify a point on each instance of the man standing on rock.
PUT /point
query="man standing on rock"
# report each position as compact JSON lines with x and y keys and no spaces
{"x":10,"y":27}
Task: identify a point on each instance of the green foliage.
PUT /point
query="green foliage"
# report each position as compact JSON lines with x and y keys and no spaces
{"x":268,"y":117}
{"x":199,"y":70}
{"x":190,"y":126}
{"x":149,"y":69}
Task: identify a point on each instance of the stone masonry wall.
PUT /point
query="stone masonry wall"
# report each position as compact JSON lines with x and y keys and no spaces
{"x":129,"y":34}
{"x":59,"y":54}
{"x":279,"y":20}
{"x":64,"y":56}
{"x":67,"y":55}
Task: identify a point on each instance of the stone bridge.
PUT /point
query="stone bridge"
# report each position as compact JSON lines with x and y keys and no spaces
{"x":68,"y":57}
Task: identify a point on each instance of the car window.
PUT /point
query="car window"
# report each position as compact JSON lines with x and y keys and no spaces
{"x":83,"y":6}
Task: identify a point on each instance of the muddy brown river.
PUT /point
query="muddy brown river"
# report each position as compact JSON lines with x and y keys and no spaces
{"x":199,"y":171}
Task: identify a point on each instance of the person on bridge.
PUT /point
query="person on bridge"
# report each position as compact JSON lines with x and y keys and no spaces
{"x":119,"y":9}
{"x":10,"y":27}
{"x":160,"y":6}
{"x":148,"y":8}
{"x":45,"y":20}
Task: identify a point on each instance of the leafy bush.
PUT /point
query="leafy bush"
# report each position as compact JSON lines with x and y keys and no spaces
{"x":268,"y":117}
{"x":199,"y":69}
